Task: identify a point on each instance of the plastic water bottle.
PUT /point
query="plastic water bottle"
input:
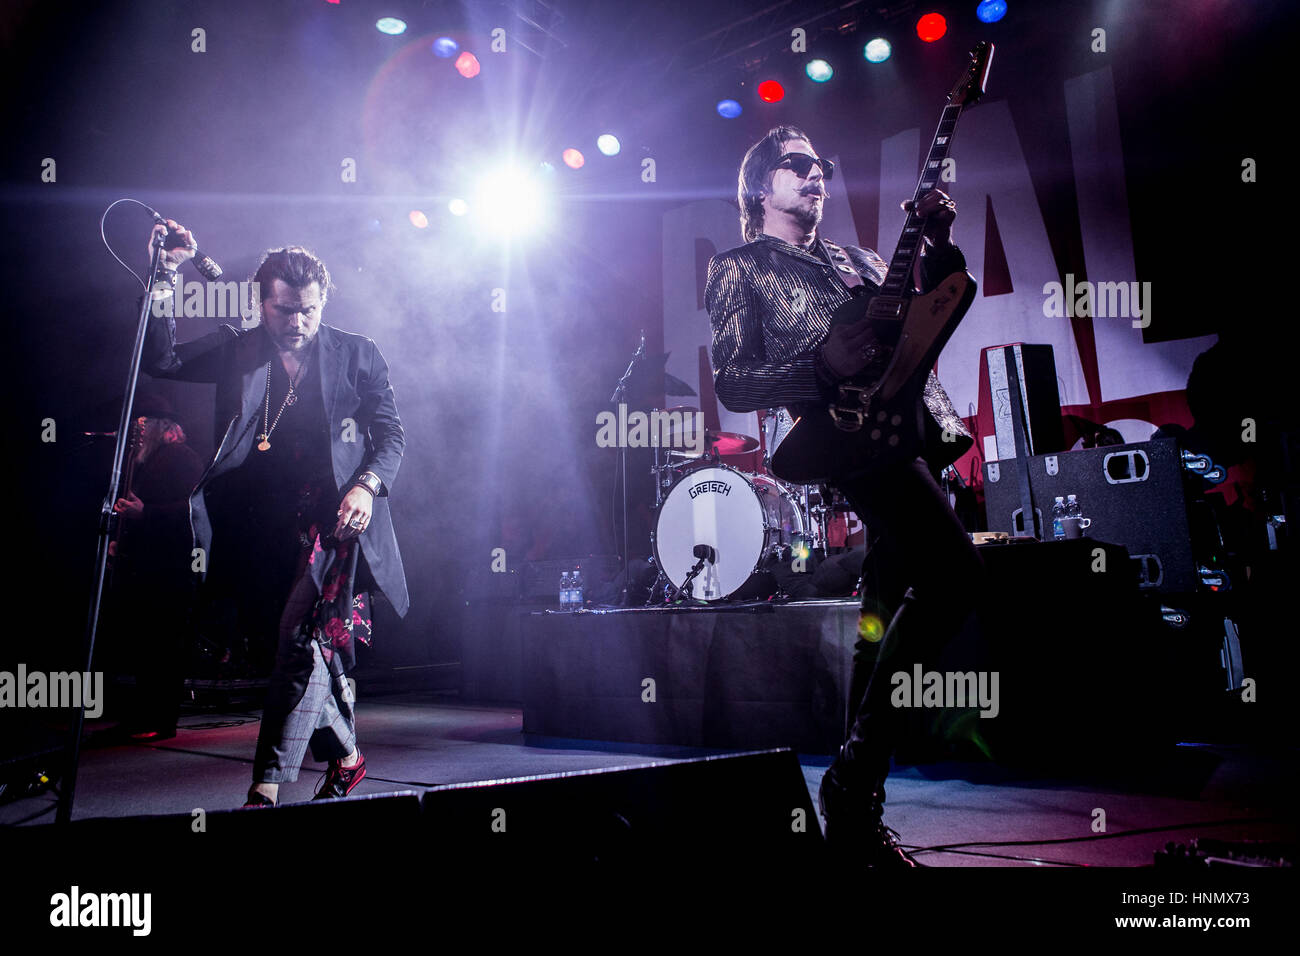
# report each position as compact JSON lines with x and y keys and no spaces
{"x":1058,"y":514}
{"x":578,"y":596}
{"x":1072,"y":510}
{"x":566,"y":591}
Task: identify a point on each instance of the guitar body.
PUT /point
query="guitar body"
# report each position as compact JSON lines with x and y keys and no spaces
{"x":877,"y":423}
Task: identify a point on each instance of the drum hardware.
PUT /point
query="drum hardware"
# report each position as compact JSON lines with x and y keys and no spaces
{"x":620,"y":394}
{"x":747,"y":520}
{"x":704,"y":553}
{"x":744,"y":518}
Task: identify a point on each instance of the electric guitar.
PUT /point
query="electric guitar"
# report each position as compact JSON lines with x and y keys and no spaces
{"x":876,"y":420}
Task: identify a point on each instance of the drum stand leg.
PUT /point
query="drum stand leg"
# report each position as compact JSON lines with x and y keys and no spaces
{"x":661,"y":586}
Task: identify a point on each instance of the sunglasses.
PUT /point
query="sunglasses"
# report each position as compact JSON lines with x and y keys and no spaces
{"x":802,"y":164}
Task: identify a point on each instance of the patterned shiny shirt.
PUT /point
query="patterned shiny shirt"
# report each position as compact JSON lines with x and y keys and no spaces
{"x":770,"y":305}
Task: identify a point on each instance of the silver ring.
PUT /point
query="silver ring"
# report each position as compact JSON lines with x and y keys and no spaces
{"x":354,"y":523}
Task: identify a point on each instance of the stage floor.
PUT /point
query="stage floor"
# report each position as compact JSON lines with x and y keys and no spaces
{"x":414,"y":741}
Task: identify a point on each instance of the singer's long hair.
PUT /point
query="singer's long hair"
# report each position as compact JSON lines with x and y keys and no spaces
{"x":755,"y":176}
{"x":296,"y":267}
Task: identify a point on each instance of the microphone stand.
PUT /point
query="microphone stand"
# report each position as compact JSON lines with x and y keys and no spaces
{"x":620,"y":390}
{"x":107,"y":525}
{"x":686,"y":590}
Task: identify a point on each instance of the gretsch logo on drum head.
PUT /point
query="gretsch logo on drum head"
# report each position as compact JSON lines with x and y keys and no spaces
{"x":704,"y":487}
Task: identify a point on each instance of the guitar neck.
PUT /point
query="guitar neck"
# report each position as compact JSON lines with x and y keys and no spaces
{"x":898,"y":280}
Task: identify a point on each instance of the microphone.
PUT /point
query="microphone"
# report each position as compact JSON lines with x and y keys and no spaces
{"x":206,"y":265}
{"x":706,"y":553}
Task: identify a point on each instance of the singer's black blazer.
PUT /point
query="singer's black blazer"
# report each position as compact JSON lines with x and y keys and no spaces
{"x":354,"y":385}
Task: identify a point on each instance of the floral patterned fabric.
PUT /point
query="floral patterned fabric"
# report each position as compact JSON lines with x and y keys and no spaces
{"x":340,"y":618}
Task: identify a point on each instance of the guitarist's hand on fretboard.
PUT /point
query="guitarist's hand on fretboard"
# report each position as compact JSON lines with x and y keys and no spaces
{"x":938,"y":210}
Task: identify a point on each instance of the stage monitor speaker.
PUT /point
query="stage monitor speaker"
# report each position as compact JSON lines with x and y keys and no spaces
{"x":749,"y":808}
{"x":209,"y":874}
{"x":229,"y":833}
{"x":1035,"y":370}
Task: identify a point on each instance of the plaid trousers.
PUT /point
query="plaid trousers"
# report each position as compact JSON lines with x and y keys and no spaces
{"x":308,"y":700}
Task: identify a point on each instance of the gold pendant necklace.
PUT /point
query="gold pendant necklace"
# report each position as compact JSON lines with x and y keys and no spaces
{"x":264,"y":439}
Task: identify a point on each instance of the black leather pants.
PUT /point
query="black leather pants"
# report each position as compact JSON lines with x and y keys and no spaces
{"x":921,"y":578}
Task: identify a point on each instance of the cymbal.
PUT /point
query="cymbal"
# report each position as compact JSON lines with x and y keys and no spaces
{"x":730,"y":443}
{"x":722,"y":443}
{"x":675,"y":386}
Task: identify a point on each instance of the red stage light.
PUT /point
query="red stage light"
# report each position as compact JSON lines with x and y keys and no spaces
{"x":418,"y":219}
{"x":467,"y":65}
{"x":770,"y":91}
{"x":573,"y":158}
{"x":931,"y":27}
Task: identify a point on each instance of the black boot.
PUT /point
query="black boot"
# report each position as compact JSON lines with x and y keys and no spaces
{"x":855,"y":833}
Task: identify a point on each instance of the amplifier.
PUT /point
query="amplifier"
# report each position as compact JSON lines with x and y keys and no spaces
{"x":1133,"y":494}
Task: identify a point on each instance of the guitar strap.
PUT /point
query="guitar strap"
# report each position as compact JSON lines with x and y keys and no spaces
{"x":843,"y":265}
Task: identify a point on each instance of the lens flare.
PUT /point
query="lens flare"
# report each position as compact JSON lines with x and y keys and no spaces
{"x":870,"y":627}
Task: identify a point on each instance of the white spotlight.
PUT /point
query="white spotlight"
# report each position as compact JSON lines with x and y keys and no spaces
{"x":509,"y":202}
{"x":608,"y":144}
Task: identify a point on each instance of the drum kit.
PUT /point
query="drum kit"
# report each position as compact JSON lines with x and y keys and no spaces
{"x":716,"y":527}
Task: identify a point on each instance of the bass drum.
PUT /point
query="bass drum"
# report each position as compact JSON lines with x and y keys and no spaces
{"x":744,"y":518}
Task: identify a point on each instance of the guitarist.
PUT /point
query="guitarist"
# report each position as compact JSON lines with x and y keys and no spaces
{"x":770,"y":303}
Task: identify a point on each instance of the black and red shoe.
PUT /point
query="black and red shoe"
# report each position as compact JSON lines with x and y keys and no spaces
{"x":340,"y":781}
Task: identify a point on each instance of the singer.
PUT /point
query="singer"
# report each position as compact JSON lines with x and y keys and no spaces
{"x":299,"y":492}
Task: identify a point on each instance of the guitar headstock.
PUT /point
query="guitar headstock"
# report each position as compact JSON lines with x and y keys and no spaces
{"x":970,"y":87}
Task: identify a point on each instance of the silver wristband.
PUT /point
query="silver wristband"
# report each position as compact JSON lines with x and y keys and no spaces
{"x":370,"y":481}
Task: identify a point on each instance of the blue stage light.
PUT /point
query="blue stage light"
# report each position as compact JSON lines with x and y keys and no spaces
{"x":445,"y":47}
{"x":729,"y":109}
{"x":991,"y":11}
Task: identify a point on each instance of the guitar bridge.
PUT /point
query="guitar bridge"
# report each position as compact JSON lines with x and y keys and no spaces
{"x":849,"y":419}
